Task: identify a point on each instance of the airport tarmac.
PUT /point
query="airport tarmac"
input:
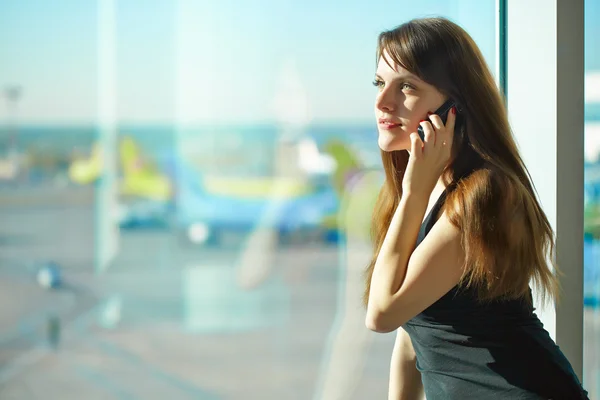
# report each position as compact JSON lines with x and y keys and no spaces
{"x":184,"y":329}
{"x":168,"y":321}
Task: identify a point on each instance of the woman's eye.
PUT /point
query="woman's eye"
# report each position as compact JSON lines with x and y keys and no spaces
{"x":403,"y":86}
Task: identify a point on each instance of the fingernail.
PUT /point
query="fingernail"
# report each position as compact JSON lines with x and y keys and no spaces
{"x":423,"y":120}
{"x":453,"y":110}
{"x":429,"y":113}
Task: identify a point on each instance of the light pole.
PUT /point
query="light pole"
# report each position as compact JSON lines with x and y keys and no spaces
{"x":106,"y":202}
{"x":12,"y":95}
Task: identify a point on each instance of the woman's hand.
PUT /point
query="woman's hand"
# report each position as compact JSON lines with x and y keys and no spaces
{"x":428,"y":159}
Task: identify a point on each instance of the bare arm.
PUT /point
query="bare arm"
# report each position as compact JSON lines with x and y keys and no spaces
{"x":405,"y":282}
{"x":405,"y":379}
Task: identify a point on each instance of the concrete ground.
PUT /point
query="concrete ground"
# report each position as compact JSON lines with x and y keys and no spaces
{"x":168,"y":321}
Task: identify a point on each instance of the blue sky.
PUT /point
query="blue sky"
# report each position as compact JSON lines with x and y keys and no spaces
{"x":214,"y":60}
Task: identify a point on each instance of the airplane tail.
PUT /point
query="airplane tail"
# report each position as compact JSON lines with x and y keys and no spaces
{"x":347,"y":163}
{"x":141,"y":178}
{"x":357,"y":188}
{"x":87,"y":170}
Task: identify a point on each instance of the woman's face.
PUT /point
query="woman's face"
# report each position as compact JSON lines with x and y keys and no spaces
{"x":403,"y":100}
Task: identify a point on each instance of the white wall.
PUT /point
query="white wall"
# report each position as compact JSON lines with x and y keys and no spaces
{"x":545,"y":80}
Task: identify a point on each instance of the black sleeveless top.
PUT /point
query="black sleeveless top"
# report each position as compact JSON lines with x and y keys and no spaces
{"x":497,"y":350}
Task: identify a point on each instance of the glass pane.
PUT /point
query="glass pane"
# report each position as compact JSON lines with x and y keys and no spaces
{"x":591,"y":288}
{"x":171,"y":180}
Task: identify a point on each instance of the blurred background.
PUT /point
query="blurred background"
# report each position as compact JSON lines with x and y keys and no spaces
{"x":185,"y":189}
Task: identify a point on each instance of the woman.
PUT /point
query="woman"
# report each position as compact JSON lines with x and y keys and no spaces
{"x":458,"y":231}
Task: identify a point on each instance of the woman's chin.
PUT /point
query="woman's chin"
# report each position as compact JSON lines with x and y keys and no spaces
{"x":388,"y":142}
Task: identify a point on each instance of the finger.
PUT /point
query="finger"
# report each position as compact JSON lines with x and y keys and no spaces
{"x":429,"y":132}
{"x":437,"y":122}
{"x":416,"y":144}
{"x":444,"y":132}
{"x":448,"y":135}
{"x":446,"y":143}
{"x":451,"y":120}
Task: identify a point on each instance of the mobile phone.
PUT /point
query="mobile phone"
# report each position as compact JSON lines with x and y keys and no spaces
{"x":442,"y":112}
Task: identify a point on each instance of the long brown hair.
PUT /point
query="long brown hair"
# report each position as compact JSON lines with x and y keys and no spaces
{"x":505,"y":234}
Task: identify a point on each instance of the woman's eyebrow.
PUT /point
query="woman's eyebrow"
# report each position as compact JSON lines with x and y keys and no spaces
{"x":401,"y":76}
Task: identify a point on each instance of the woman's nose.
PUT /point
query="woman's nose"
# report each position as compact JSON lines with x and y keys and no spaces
{"x":385,"y":102}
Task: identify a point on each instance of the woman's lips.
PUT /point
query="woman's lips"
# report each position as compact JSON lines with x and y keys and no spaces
{"x":388,"y":125}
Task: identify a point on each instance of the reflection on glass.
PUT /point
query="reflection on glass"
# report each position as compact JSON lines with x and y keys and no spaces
{"x":245,"y":168}
{"x":591,"y":287}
